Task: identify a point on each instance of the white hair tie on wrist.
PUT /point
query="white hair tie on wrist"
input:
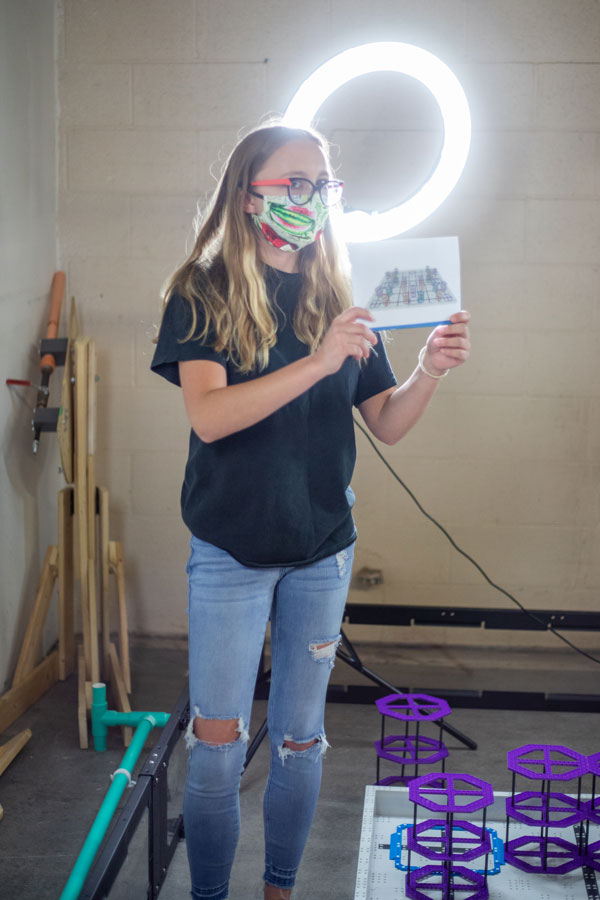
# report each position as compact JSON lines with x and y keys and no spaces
{"x":423,"y":369}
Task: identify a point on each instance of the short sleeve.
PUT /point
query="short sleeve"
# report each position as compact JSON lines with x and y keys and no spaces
{"x":376,"y":375}
{"x":172,"y":348}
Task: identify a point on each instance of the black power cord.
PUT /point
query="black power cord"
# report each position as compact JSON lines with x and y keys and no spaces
{"x":497,"y":587}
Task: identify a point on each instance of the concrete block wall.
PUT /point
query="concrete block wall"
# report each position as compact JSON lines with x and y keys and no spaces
{"x":152,"y":97}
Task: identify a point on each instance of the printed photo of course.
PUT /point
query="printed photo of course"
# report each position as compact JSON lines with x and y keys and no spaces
{"x":409,"y":287}
{"x":407,"y":283}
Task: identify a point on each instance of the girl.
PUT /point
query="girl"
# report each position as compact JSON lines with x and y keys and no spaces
{"x":260,"y":332}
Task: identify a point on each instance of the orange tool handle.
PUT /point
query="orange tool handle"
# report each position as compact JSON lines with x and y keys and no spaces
{"x":56,"y":299}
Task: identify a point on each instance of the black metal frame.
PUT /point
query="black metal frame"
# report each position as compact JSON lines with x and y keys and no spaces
{"x":494,"y":618}
{"x":150,"y":792}
{"x":470,"y":617}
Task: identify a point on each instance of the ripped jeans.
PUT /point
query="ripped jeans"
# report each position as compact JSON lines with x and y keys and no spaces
{"x":229,"y":607}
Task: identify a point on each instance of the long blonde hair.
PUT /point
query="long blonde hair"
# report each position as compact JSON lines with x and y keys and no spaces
{"x":225,"y":275}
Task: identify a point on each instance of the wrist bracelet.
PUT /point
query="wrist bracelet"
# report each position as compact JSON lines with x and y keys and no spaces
{"x":423,"y":369}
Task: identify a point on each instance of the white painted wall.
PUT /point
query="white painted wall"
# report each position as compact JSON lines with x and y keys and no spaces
{"x":28,"y":484}
{"x":153,"y":93}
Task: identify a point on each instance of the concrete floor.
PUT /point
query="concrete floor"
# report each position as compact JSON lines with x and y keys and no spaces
{"x":52,"y":791}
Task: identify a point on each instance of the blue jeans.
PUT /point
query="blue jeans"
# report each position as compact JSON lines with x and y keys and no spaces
{"x":229,"y":607}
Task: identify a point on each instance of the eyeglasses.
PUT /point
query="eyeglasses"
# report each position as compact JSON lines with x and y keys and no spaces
{"x":302,"y":190}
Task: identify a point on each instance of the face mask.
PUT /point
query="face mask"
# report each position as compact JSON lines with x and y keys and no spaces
{"x":288,"y":226}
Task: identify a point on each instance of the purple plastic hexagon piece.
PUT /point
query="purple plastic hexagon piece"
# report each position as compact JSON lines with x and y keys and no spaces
{"x":592,"y":810}
{"x":449,"y":787}
{"x":548,"y":762}
{"x":435,"y":880}
{"x":592,"y":856}
{"x":413,"y":707}
{"x":461,"y":843}
{"x":554,"y":849}
{"x":593,"y":762}
{"x":519,"y":806}
{"x":410,"y":750}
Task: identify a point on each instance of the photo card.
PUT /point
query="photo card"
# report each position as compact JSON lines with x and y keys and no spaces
{"x":407,"y":282}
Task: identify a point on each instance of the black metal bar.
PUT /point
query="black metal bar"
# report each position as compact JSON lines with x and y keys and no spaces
{"x":377,"y":756}
{"x":255,"y":744}
{"x":170,"y":734}
{"x":417,"y":748}
{"x":157,"y":831}
{"x":468,"y":616}
{"x":356,"y":693}
{"x":114,"y":853}
{"x":352,"y":659}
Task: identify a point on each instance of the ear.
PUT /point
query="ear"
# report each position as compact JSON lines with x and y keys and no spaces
{"x":250,"y":203}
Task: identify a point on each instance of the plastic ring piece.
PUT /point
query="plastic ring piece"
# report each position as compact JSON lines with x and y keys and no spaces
{"x":124,"y":772}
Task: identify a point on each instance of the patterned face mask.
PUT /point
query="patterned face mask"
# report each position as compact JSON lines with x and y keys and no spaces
{"x":288,"y":226}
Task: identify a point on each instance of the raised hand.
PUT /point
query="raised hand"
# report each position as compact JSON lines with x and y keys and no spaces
{"x":448,"y":346}
{"x":346,"y":337}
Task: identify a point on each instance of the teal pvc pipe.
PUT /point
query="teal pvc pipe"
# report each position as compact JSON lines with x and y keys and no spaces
{"x":99,"y":707}
{"x":111,"y":717}
{"x":103,"y":718}
{"x":99,"y":828}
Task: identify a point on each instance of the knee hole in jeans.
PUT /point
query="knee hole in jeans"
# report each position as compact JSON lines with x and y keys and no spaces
{"x":218,"y":733}
{"x":324,"y":651}
{"x":294,"y":746}
{"x":290,"y":747}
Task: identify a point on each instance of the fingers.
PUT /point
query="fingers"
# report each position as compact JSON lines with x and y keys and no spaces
{"x":358,"y":343}
{"x":455,"y":335}
{"x":454,"y":347}
{"x":358,"y":312}
{"x":442,"y":343}
{"x":462,"y":354}
{"x":349,"y":322}
{"x":458,"y":327}
{"x":452,"y":341}
{"x":347,"y":336}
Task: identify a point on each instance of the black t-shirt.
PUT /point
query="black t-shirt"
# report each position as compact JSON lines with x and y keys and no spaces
{"x":278,"y":492}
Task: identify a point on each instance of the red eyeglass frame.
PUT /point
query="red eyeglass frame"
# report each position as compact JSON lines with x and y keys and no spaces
{"x":287,"y":182}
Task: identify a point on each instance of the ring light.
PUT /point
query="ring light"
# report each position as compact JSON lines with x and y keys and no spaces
{"x":362,"y":227}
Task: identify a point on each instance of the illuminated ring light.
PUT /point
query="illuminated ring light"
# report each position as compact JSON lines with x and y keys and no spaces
{"x":387,"y":56}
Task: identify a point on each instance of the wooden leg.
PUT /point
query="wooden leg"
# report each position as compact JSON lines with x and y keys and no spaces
{"x":94,"y":657}
{"x":92,"y":578}
{"x":91,"y":448}
{"x":81,"y":438}
{"x":14,"y":702}
{"x":66,"y":625}
{"x":104,"y":576}
{"x":9,"y":750}
{"x":91,"y":511}
{"x":116,"y":551}
{"x":81,"y":700}
{"x":118,"y":685}
{"x":31,"y":651}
